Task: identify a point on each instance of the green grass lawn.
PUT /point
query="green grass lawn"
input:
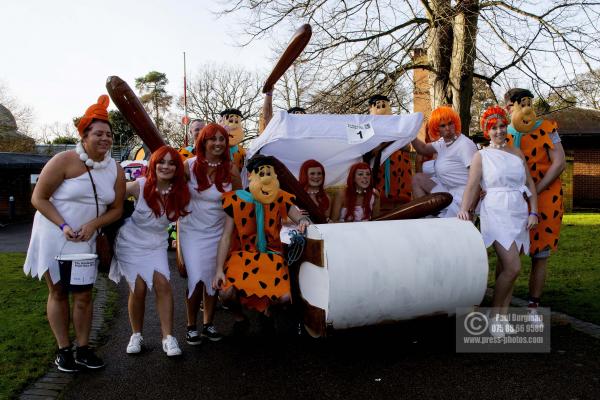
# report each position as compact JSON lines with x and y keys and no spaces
{"x":573,"y":279}
{"x":26,"y":342}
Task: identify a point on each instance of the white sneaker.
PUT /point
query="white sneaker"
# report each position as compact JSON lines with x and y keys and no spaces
{"x":496,"y":327}
{"x":171,"y":347}
{"x":535,"y":319}
{"x":508,"y":328}
{"x":135,"y":343}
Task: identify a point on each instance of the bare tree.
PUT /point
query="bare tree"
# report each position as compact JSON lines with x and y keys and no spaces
{"x":294,"y":88}
{"x":303,"y":86}
{"x":358,"y":42}
{"x":215,"y":88}
{"x":23,"y":114}
{"x":585,"y":89}
{"x":49,"y":132}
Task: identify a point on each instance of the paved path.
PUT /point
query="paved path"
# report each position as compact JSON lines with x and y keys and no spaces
{"x":409,"y":360}
{"x":15,"y":237}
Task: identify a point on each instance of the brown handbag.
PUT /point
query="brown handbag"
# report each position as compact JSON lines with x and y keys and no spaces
{"x":104,"y":246}
{"x":104,"y":249}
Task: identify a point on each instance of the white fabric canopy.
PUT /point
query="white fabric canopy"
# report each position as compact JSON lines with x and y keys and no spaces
{"x":295,"y":138}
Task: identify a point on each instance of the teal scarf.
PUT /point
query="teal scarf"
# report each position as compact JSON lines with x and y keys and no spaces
{"x":387,"y":181}
{"x":517,"y":136}
{"x":261,"y":239}
{"x":232,"y":151}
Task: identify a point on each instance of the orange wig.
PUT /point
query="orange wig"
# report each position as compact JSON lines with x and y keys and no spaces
{"x":322,"y":199}
{"x":351,"y":193}
{"x":490,"y":118}
{"x":178,"y":198}
{"x":442,"y":115}
{"x":223,"y":173}
{"x":97,"y":111}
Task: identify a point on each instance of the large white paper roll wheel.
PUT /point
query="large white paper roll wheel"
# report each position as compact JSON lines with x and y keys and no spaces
{"x":375,"y":272}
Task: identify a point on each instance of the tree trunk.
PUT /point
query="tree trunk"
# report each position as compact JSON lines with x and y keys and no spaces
{"x":463,"y":59}
{"x":439,"y":50}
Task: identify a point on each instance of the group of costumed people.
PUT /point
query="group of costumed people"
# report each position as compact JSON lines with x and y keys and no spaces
{"x":229,"y":236}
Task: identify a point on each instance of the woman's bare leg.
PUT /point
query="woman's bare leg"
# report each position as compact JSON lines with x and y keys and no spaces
{"x":137,"y":305}
{"x":57,"y":309}
{"x":164,"y":303}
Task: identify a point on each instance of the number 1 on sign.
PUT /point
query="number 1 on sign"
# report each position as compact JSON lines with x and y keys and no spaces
{"x":358,"y":133}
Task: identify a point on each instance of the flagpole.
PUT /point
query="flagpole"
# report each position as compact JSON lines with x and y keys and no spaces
{"x":186,"y":125}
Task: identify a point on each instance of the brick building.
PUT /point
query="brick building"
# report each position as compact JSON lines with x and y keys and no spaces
{"x":579,"y":130}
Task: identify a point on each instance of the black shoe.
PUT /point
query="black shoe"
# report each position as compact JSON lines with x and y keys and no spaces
{"x":85,"y":356}
{"x":210,"y":332}
{"x":65,"y":361}
{"x":192,"y":337}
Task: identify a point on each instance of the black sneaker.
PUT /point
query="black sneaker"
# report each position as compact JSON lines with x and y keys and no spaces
{"x":85,"y":356}
{"x":65,"y":360}
{"x":192,"y":337}
{"x":210,"y":332}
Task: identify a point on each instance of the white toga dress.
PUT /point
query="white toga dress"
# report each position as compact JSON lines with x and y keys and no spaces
{"x":74,"y":201}
{"x":141,"y":245}
{"x":200,"y":231}
{"x":452,"y":170}
{"x":359,"y":212}
{"x":504,"y":210}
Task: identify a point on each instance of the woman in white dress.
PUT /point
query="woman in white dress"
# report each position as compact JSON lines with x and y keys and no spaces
{"x":453,"y":152}
{"x":141,"y":245}
{"x":210,"y":175}
{"x":359,"y":196}
{"x":312,"y":178}
{"x":501,"y":171}
{"x":66,"y":222}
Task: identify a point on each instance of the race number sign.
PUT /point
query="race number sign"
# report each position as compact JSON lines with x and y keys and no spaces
{"x":358,"y":133}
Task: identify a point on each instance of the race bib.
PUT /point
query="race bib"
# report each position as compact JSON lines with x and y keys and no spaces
{"x":358,"y":133}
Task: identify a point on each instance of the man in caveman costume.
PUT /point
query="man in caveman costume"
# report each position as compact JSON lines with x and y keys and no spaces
{"x":250,"y":264}
{"x":545,"y":157}
{"x":231,"y":119}
{"x":394,"y":176}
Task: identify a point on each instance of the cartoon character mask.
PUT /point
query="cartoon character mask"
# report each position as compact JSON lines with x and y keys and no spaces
{"x":380,"y":107}
{"x":523,"y":116}
{"x":264,"y":184}
{"x":185,"y":152}
{"x":232,"y":122}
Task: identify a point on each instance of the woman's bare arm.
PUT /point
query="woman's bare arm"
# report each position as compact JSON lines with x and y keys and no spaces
{"x":52,"y":176}
{"x":376,"y":204}
{"x":424,"y":149}
{"x":471,"y":193}
{"x":223,"y":252}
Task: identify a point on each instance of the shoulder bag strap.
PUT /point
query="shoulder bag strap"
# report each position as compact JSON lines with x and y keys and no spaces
{"x":95,"y":194}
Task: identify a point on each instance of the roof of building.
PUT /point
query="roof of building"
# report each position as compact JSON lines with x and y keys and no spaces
{"x":576,"y":121}
{"x":22,"y":160}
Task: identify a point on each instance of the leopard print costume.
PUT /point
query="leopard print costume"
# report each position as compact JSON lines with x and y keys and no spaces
{"x":258,"y":277}
{"x":535,"y":147}
{"x":239,"y":158}
{"x":400,"y":190}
